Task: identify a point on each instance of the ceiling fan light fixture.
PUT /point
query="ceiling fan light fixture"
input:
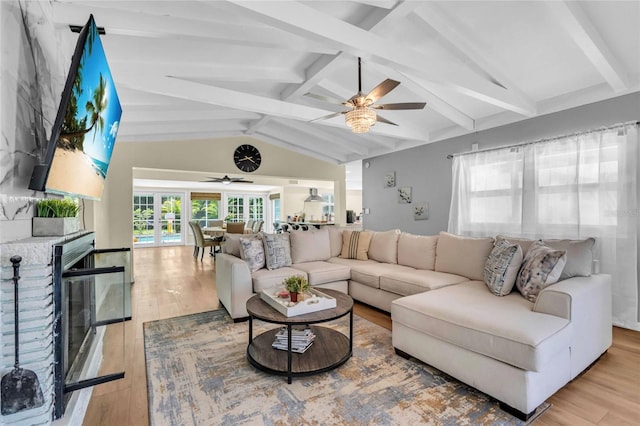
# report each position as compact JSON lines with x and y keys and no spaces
{"x":226,"y":180}
{"x":360,"y":119}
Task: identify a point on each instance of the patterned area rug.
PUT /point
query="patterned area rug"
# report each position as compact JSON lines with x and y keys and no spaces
{"x":198,"y":373}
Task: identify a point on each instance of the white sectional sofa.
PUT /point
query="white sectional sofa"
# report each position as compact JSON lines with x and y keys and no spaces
{"x":516,"y":350}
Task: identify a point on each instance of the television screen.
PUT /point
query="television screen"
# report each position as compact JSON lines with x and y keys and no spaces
{"x":86,"y":125}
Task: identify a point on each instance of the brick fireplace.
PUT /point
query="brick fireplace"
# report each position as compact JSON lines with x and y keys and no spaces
{"x":65,"y":315}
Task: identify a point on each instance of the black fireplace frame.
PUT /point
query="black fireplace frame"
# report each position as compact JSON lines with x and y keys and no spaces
{"x":65,"y":255}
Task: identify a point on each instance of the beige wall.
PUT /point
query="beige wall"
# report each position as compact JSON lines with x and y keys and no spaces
{"x":112,"y":216}
{"x":354,"y":200}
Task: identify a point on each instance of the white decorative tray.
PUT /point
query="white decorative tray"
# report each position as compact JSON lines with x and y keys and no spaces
{"x":313,"y":301}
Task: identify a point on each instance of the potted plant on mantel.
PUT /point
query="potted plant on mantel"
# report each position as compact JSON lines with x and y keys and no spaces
{"x":295,"y":285}
{"x":55,"y":217}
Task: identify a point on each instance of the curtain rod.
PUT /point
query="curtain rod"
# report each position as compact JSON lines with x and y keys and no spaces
{"x":516,"y":145}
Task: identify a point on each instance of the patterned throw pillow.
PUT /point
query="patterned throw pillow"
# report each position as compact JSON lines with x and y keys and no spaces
{"x":501,"y":269}
{"x":277,"y":250}
{"x":252,"y":253}
{"x":541,"y":267}
{"x":355,"y":244}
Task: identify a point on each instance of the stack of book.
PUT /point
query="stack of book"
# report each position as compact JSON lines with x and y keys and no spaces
{"x":301,"y":339}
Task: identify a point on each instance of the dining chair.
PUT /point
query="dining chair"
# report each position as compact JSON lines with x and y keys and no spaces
{"x":257,"y":226}
{"x":248,"y":228}
{"x":216,"y":223}
{"x":201,"y":241}
{"x":235,"y":228}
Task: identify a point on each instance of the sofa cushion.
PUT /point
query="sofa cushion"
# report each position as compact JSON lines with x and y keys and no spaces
{"x":310,"y":246}
{"x":252,"y":252}
{"x":524,"y":243}
{"x":335,"y":240}
{"x":323,"y":272}
{"x":384,"y":246}
{"x":266,"y":278}
{"x":579,"y":256}
{"x":277,"y":250}
{"x":412,"y":281}
{"x":579,"y":253}
{"x":464,"y":256}
{"x":504,"y":328}
{"x":417,"y":251}
{"x":541,"y":267}
{"x":355,"y":244}
{"x":368,"y":272}
{"x":232,"y":243}
{"x":501,"y":269}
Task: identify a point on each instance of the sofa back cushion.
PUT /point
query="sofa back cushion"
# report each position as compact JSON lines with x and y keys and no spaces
{"x":310,"y":246}
{"x":464,"y":256}
{"x":355,"y":244}
{"x":335,"y":239}
{"x":417,"y":251}
{"x":384,"y":246}
{"x":232,"y":243}
{"x":277,"y":250}
{"x":579,"y":253}
{"x":579,"y":256}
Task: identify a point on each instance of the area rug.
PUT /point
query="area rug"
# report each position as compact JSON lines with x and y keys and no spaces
{"x":198,"y":374}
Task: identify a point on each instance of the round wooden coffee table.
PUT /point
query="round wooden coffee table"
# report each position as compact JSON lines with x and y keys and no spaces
{"x":329,"y":350}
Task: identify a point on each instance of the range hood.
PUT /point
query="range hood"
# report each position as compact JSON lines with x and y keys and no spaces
{"x":313,"y":196}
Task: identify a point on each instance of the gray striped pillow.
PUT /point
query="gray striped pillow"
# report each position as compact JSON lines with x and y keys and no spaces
{"x":355,"y":244}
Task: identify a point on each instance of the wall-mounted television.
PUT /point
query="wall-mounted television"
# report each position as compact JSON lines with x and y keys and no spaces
{"x":82,"y":137}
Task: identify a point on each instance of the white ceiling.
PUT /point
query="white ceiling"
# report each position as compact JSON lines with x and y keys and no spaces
{"x":208,"y":69}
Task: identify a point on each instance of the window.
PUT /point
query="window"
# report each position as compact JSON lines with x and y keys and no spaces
{"x":575,"y":187}
{"x":235,"y":208}
{"x":205,"y":207}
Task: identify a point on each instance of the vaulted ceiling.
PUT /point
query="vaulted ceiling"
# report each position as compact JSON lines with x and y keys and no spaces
{"x":208,"y":69}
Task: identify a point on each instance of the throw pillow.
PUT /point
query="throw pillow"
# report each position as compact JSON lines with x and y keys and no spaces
{"x":384,"y":246}
{"x":252,"y":253}
{"x":464,"y":256}
{"x":524,"y":243}
{"x":277,"y":250}
{"x":501,"y":269}
{"x":355,"y":244}
{"x":541,"y":267}
{"x":310,"y":246}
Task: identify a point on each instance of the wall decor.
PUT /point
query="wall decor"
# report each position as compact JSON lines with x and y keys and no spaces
{"x":404,"y":195}
{"x":390,"y":179}
{"x":421,"y":211}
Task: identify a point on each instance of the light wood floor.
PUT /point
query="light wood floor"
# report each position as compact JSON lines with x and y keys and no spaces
{"x":169,"y":282}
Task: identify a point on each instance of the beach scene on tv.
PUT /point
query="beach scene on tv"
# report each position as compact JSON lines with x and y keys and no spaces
{"x":83,"y":149}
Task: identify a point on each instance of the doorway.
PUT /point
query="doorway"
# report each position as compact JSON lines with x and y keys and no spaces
{"x":157,"y":219}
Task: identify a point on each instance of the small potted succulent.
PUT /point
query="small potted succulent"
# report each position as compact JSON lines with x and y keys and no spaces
{"x":296,"y":285}
{"x":55,"y":217}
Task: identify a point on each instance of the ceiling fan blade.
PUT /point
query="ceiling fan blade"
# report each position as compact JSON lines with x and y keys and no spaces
{"x":403,"y":105}
{"x":240,"y":180}
{"x":324,"y":98}
{"x":384,"y":120}
{"x":382,"y":89}
{"x":326,"y":117}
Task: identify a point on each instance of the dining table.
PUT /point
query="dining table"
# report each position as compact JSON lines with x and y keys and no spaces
{"x":214,"y":231}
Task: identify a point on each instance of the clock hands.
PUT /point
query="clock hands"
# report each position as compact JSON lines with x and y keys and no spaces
{"x":248,"y":158}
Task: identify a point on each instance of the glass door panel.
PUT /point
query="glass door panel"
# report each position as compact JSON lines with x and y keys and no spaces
{"x":171,"y":219}
{"x":143,"y":220}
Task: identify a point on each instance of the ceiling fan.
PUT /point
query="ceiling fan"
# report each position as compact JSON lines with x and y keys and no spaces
{"x":362,"y":116}
{"x":226,"y":180}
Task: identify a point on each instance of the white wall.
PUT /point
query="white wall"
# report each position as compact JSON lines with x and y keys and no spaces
{"x":428,"y":171}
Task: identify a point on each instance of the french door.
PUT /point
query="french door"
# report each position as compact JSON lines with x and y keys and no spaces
{"x":242,"y":207}
{"x":157,"y":219}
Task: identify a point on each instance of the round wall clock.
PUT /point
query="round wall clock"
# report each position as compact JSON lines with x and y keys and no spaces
{"x":247,"y":158}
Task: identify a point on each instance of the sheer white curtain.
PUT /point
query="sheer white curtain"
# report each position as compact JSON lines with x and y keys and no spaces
{"x":577,"y":186}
